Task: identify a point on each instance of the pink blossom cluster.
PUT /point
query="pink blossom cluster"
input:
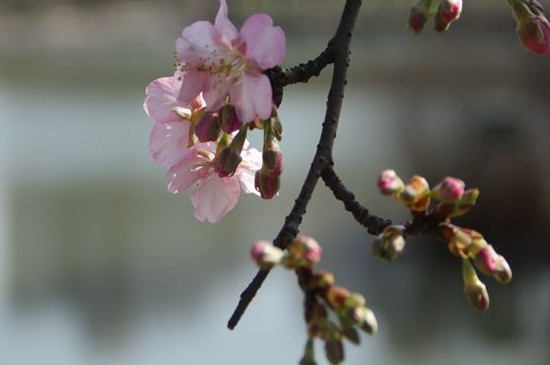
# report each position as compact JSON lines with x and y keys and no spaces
{"x":218,"y":69}
{"x":227,"y":65}
{"x":190,"y":164}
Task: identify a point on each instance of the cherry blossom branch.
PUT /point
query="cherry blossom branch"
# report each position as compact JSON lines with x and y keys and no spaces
{"x":339,"y":48}
{"x":375,"y":225}
{"x":298,"y":74}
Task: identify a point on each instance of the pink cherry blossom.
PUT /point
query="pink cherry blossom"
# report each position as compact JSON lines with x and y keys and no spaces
{"x":221,"y":62}
{"x":216,"y":195}
{"x":170,"y":134}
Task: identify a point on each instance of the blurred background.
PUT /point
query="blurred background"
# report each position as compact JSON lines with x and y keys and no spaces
{"x":99,"y":264}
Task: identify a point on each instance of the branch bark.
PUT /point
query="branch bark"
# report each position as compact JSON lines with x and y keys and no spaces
{"x":337,"y":52}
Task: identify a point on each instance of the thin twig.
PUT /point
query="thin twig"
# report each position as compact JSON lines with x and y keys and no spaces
{"x":375,"y":225}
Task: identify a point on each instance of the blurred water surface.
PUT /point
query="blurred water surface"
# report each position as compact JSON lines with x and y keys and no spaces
{"x":100,"y":265}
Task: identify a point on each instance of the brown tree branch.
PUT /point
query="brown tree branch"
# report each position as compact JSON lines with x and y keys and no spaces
{"x":337,"y":52}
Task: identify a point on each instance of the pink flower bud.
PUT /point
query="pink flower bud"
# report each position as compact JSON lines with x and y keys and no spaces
{"x":312,"y":250}
{"x":389,"y":183}
{"x":477,"y":295}
{"x":208,"y":128}
{"x":486,"y":260}
{"x":267,"y":186}
{"x":272,"y":163}
{"x":449,"y":190}
{"x":474,"y":289}
{"x":450,"y":10}
{"x":227,"y":161}
{"x":416,"y":194}
{"x":303,"y":252}
{"x":535,"y":35}
{"x":502,"y":273}
{"x":229,"y":121}
{"x":533,"y":28}
{"x":265,"y":254}
{"x":417,"y":18}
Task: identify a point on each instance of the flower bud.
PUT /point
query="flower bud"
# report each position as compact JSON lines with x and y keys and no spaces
{"x":229,"y":120}
{"x":208,"y":127}
{"x":272,"y":163}
{"x":417,"y":18}
{"x":440,"y":25}
{"x":322,"y":280}
{"x":265,"y":254}
{"x":228,"y":158}
{"x":416,"y":194}
{"x":355,"y":300}
{"x":303,"y":252}
{"x":336,"y":296}
{"x":449,"y":190}
{"x":389,"y":183}
{"x":502,"y":273}
{"x":389,"y":245}
{"x":464,"y":204}
{"x":474,"y":289}
{"x":351,"y":334}
{"x":334,"y":350}
{"x":533,"y":28}
{"x":419,"y":14}
{"x":486,"y":260}
{"x":365,"y":319}
{"x":268,"y":187}
{"x":227,"y":161}
{"x":315,"y":312}
{"x":450,"y":10}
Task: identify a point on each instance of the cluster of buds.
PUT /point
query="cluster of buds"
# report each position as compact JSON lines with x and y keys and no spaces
{"x":533,"y":28}
{"x":416,"y":195}
{"x":444,"y":13}
{"x":303,"y":253}
{"x":229,"y":132}
{"x":321,"y":296}
{"x":452,"y":200}
{"x":348,"y":307}
{"x":474,"y":249}
{"x":267,"y":179}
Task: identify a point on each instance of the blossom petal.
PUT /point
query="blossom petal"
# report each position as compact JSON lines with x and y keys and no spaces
{"x":215,"y":198}
{"x":197,"y":43}
{"x":252,"y":97}
{"x":168,"y":142}
{"x":184,"y":174}
{"x":192,"y":84}
{"x":160,"y":100}
{"x":226,"y":29}
{"x":252,"y":162}
{"x":215,"y":92}
{"x":265,"y":44}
